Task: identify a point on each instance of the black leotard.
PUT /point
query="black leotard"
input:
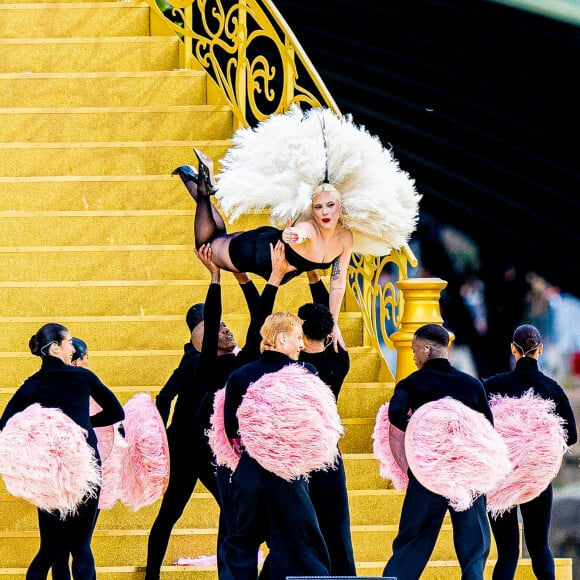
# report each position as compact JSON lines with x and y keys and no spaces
{"x":250,"y":252}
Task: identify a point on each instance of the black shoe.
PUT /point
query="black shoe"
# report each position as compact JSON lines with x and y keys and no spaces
{"x":204,"y":173}
{"x":190,"y":179}
{"x":187,"y":173}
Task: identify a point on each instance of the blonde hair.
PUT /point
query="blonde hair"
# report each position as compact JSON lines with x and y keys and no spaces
{"x":274,"y":324}
{"x":330,"y":189}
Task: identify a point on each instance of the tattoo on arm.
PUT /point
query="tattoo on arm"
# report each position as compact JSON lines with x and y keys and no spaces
{"x":335,"y":273}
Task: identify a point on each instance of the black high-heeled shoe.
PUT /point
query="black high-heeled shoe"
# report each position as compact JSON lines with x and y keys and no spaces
{"x":190,"y":178}
{"x":186,"y":172}
{"x":204,"y":174}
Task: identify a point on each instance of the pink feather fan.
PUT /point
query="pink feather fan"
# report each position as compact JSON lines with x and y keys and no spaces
{"x":455,"y":452}
{"x":111,"y":467}
{"x":46,"y":460}
{"x":536,"y":442}
{"x":105,"y":435}
{"x":218,"y":440}
{"x":145,"y":466}
{"x":112,"y":448}
{"x":289,"y":423}
{"x":389,"y":449}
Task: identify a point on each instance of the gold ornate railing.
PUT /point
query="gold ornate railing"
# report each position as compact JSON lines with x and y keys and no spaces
{"x":250,"y":52}
{"x":254,"y":58}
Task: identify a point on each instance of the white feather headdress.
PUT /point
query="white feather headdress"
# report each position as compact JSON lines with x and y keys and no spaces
{"x":277,"y":165}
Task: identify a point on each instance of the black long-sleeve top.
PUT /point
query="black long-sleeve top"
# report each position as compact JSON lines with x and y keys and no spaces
{"x":69,"y":388}
{"x":197,"y":374}
{"x":527,"y":376}
{"x":332,"y":366}
{"x":238,"y":382}
{"x":211,"y":371}
{"x":180,"y":384}
{"x":435,"y":380}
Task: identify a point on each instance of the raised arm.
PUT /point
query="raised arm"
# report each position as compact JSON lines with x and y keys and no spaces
{"x":249,"y":290}
{"x":318,"y":290}
{"x":337,"y":290}
{"x":280,"y":267}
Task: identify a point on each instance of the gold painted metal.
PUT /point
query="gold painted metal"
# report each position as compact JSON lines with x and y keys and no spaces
{"x":421,"y":296}
{"x":228,"y":40}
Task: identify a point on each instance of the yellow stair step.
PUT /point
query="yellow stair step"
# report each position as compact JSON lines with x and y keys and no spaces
{"x":202,"y":511}
{"x":92,"y":19}
{"x":93,"y":193}
{"x":450,"y":570}
{"x":104,"y":89}
{"x":103,"y":158}
{"x":137,"y":53}
{"x":129,"y":547}
{"x":62,"y":124}
{"x":441,"y":570}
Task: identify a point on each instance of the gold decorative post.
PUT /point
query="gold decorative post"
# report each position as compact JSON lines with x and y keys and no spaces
{"x":421,"y":306}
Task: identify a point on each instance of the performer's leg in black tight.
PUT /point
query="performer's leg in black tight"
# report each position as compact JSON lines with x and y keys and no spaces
{"x":506,"y":534}
{"x":205,"y":227}
{"x":72,"y":534}
{"x":50,"y":528}
{"x":536,"y":516}
{"x":330,"y":499}
{"x":80,"y":533}
{"x":190,"y":180}
{"x":61,"y":566}
{"x":183,"y":475}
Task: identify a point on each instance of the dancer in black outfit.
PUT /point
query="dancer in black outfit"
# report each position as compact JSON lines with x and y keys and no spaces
{"x":268,"y":507}
{"x":202,"y":371}
{"x":328,"y":490}
{"x":423,"y":511}
{"x":61,"y":565}
{"x":190,"y":456}
{"x":59,"y":385}
{"x":526,"y":348}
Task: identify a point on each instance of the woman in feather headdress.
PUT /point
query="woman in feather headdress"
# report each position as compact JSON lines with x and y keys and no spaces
{"x":330,"y":187}
{"x":49,"y":453}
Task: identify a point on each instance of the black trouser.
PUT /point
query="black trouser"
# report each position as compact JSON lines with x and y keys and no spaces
{"x":536,"y":516}
{"x":269,"y":508}
{"x":73,"y":535}
{"x":190,"y":460}
{"x":330,"y":499}
{"x":421,"y":520}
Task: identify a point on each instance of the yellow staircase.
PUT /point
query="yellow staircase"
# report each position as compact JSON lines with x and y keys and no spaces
{"x":97,"y":235}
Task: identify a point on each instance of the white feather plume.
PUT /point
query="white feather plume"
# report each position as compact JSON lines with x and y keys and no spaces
{"x":277,"y":165}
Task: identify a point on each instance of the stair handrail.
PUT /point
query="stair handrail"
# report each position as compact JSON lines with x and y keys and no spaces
{"x":228,"y":40}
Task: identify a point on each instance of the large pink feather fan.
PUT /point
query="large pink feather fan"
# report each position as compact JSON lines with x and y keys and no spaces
{"x":389,"y":449}
{"x":46,"y":460}
{"x":221,"y":446}
{"x":105,"y":435}
{"x":111,"y":468}
{"x":112,"y":447}
{"x":145,"y":467}
{"x":289,"y":423}
{"x":536,"y":440}
{"x":455,"y":452}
